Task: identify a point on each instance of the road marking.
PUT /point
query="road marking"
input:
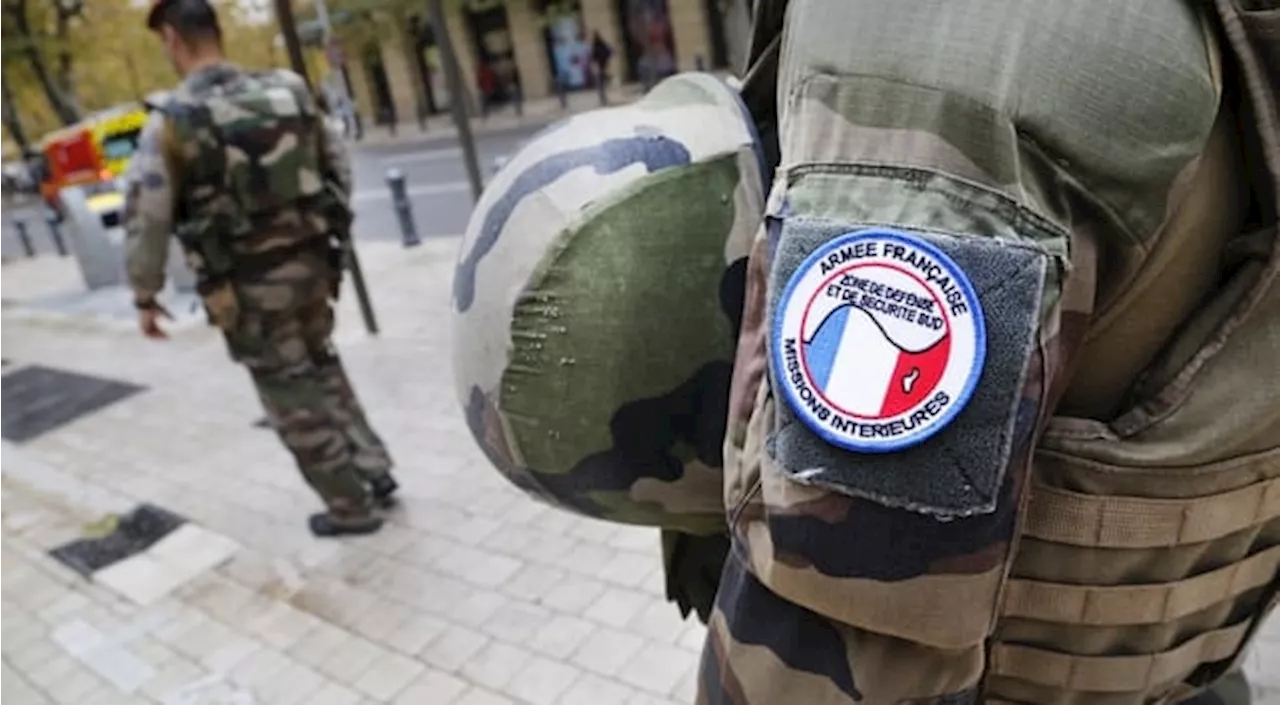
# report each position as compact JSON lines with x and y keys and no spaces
{"x":439,"y":189}
{"x":429,"y":155}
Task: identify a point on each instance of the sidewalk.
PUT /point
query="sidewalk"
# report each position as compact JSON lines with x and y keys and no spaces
{"x":472,"y":595}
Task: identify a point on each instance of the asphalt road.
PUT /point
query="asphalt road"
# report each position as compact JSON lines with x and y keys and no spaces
{"x":434,"y":174}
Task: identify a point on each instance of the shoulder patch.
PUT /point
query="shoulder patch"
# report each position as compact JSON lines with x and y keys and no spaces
{"x":878,"y":341}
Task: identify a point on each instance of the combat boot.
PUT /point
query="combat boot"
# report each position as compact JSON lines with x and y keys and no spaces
{"x":338,"y":522}
{"x":382,"y":487}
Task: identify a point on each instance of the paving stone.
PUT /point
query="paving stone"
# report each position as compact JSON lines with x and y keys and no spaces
{"x":477,"y":608}
{"x":617,"y":606}
{"x":73,"y":688}
{"x":351,"y":659}
{"x":120,"y":667}
{"x":561,"y":636}
{"x":203,"y":639}
{"x":177,"y":673}
{"x":334,"y":694}
{"x":282,"y":626}
{"x":141,"y":578}
{"x":574,"y":595}
{"x":591,"y":689}
{"x":661,"y":622}
{"x":77,"y":637}
{"x":319,"y":644}
{"x":693,"y":637}
{"x":334,"y":601}
{"x":295,"y":683}
{"x":387,"y":676}
{"x":264,"y":665}
{"x":378,"y":624}
{"x":651,"y":699}
{"x":533,"y":582}
{"x":542,"y":681}
{"x":480,"y":696}
{"x":627,"y":568}
{"x":657,"y":668}
{"x":66,"y":605}
{"x":432,"y":687}
{"x":607,"y":651}
{"x":495,"y":665}
{"x":193,"y":549}
{"x":415,"y":633}
{"x":517,"y":622}
{"x":453,"y":648}
{"x":230,"y":653}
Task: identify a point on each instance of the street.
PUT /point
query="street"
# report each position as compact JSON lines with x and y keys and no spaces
{"x":434,"y":174}
{"x":435,"y":177}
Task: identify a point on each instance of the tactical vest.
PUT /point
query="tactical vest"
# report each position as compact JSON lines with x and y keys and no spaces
{"x":1129,"y":554}
{"x":248,"y":154}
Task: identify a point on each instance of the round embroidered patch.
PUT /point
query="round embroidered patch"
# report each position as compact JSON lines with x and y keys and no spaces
{"x":878,"y":341}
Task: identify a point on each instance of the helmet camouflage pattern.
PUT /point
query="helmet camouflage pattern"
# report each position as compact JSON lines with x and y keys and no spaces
{"x":596,"y":303}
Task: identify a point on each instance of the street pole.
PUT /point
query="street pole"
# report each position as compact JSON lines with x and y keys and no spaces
{"x":457,"y":97}
{"x":288,"y":30}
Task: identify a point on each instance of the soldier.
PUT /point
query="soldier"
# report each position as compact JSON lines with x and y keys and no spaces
{"x":1002,"y":425}
{"x":240,"y":166}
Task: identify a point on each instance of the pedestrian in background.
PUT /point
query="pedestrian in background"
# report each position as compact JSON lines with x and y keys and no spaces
{"x":267,"y":260}
{"x":601,"y":53}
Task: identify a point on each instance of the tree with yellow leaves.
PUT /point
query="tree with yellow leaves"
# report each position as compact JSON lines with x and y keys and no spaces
{"x":63,"y":58}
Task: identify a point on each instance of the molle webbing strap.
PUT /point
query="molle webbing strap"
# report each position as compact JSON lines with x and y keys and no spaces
{"x":1115,"y":674}
{"x":1138,"y":604}
{"x":1062,"y":516}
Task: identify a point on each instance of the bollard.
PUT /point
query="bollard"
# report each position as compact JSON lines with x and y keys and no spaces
{"x":25,"y":239}
{"x":56,"y":233}
{"x":404,"y":211}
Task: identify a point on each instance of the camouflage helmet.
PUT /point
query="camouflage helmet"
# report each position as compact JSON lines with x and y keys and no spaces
{"x":596,"y":303}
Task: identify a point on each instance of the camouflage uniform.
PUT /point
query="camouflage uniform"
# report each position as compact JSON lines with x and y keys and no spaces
{"x":275,"y":309}
{"x":1098,"y":521}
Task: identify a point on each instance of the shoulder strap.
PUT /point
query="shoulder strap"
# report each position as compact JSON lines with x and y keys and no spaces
{"x":170,"y":152}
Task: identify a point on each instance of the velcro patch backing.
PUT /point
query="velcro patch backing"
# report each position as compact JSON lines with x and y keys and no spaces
{"x":886,"y":390}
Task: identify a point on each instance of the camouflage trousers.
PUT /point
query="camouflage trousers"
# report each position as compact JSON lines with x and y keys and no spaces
{"x":282,"y":337}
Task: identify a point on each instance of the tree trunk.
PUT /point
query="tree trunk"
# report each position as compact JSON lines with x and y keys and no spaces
{"x":12,"y":122}
{"x":66,"y":84}
{"x":65,"y":110}
{"x":289,"y":30}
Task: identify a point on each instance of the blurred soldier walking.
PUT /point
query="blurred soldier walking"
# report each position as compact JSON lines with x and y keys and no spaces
{"x":239,"y":164}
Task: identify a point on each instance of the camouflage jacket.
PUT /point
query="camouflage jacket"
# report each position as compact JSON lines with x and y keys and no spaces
{"x":159,"y":183}
{"x":1124,"y":548}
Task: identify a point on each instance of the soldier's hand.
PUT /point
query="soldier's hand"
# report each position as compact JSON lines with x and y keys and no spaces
{"x":149,"y":322}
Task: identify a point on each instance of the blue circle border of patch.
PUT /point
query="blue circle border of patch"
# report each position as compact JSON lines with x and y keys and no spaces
{"x":979,"y":330}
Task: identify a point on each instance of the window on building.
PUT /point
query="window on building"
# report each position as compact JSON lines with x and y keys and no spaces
{"x":568,"y":47}
{"x":496,"y":74}
{"x":384,"y":106}
{"x":647,"y":40}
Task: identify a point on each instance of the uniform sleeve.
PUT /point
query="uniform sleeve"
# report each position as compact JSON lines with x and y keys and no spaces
{"x":833,"y":597}
{"x":148,"y":211}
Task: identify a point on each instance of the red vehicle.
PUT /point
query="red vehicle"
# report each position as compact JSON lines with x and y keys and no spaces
{"x":71,"y":158}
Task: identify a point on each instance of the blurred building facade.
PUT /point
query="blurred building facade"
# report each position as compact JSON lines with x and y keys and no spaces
{"x":524,"y":49}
